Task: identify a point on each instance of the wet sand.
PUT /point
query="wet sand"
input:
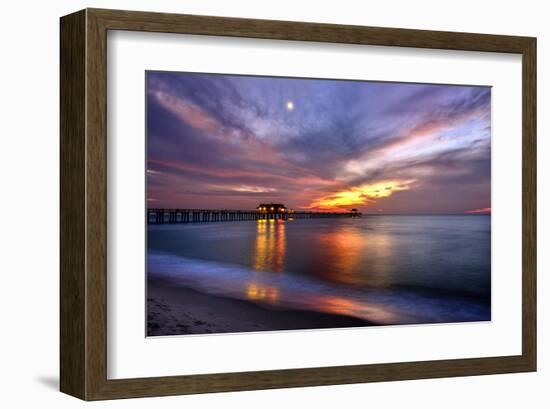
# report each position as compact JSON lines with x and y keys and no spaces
{"x":176,"y":310}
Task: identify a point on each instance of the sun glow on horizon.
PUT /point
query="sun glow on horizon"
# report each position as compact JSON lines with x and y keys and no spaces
{"x":361,"y":195}
{"x":483,"y":210}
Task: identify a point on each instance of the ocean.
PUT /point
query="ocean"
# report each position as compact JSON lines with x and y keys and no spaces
{"x":387,"y":270}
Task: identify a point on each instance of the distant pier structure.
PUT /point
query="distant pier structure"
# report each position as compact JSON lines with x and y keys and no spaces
{"x":264,"y":211}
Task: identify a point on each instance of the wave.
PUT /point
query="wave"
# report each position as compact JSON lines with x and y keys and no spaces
{"x":284,"y":290}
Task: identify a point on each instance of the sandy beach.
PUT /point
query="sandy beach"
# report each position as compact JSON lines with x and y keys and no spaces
{"x":176,"y":310}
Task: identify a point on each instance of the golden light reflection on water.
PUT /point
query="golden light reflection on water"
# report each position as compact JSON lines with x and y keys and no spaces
{"x":340,"y":255}
{"x":257,"y":292}
{"x":270,"y":246}
{"x":348,"y":251}
{"x":343,"y":306}
{"x":323,"y":303}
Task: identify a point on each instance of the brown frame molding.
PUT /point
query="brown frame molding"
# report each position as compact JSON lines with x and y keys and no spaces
{"x":83,"y":75}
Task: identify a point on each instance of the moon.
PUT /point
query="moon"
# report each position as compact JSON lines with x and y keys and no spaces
{"x":289,"y":105}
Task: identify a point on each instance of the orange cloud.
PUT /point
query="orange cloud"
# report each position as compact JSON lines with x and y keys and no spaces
{"x":483,"y":210}
{"x":360,"y":195}
{"x":227,"y":173}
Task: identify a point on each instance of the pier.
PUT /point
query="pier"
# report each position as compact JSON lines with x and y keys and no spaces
{"x":263,"y":212}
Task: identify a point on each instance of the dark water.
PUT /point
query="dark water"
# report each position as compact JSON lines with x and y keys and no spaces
{"x":385,"y":269}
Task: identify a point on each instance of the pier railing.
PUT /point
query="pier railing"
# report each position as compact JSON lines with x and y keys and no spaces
{"x":159,"y":216}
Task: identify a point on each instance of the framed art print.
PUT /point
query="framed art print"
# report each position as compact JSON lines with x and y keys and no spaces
{"x":251,"y":204}
{"x":329,"y":203}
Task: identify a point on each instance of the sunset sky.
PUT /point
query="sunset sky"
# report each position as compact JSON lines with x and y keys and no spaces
{"x":232,"y":142}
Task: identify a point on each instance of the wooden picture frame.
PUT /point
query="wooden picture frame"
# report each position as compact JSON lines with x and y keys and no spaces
{"x":84,"y":203}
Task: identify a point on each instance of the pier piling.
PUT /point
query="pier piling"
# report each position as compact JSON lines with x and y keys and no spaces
{"x":172,"y":216}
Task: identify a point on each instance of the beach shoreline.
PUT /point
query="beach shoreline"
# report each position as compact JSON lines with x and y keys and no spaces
{"x":176,"y":310}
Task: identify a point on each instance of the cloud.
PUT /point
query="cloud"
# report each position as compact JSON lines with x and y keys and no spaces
{"x":231,"y":138}
{"x":361,"y":195}
{"x":484,"y":210}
